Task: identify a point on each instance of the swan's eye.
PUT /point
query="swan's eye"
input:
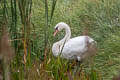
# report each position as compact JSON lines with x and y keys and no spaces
{"x":56,"y":28}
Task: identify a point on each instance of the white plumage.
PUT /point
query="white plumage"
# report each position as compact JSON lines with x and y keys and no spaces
{"x":79,"y":48}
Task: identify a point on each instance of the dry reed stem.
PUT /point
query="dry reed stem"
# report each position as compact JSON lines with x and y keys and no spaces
{"x":25,"y":51}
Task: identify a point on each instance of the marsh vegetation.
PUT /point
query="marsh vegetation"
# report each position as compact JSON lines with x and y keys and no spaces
{"x":26,"y":38}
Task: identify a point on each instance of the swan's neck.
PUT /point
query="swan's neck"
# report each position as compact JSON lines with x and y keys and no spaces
{"x":57,"y":47}
{"x":67,"y":35}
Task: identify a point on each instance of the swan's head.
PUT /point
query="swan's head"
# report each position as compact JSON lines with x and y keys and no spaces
{"x":59,"y":27}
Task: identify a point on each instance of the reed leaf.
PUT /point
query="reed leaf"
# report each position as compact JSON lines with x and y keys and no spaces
{"x":53,"y":8}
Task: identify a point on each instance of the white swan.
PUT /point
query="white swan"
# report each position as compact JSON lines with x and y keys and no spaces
{"x":75,"y":48}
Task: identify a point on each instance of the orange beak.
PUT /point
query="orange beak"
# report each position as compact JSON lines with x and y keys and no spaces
{"x":56,"y":31}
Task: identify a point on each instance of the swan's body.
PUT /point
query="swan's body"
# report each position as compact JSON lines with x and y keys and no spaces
{"x":75,"y":48}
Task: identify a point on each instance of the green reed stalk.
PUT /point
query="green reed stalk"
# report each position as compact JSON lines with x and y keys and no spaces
{"x":25,"y":13}
{"x":47,"y":25}
{"x":53,"y":8}
{"x":46,"y":21}
{"x":13,"y":28}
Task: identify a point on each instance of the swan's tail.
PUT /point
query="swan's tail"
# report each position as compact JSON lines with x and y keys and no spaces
{"x":91,"y":41}
{"x":92,"y":45}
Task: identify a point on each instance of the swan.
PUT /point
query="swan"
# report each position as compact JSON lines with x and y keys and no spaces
{"x":78,"y":48}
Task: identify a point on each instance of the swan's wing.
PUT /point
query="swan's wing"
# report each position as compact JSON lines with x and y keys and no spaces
{"x":74,"y":46}
{"x":55,"y":49}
